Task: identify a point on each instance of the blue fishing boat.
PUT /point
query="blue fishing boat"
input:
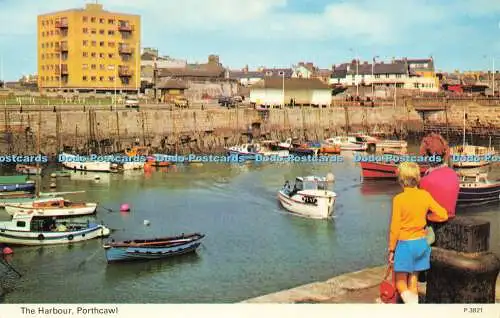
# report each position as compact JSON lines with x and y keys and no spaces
{"x":16,"y":183}
{"x":152,"y":248}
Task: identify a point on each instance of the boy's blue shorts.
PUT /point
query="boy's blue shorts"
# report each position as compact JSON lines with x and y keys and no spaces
{"x":412,"y":256}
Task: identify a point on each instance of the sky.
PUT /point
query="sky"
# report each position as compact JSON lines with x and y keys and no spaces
{"x":458,"y":34}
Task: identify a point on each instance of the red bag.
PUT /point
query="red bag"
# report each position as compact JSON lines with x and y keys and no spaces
{"x":388,"y":292}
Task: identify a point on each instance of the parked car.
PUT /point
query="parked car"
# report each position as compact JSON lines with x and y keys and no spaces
{"x":227,"y":101}
{"x":131,"y":102}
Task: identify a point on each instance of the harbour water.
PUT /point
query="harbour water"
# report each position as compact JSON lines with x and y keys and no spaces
{"x":252,"y":246}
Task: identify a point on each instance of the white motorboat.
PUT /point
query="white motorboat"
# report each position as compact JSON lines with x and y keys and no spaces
{"x":35,"y":230}
{"x":308,"y":197}
{"x":285,"y":145}
{"x":52,"y":207}
{"x":251,"y":150}
{"x":86,"y":163}
{"x":25,"y":200}
{"x":373,"y":143}
{"x":348,"y":143}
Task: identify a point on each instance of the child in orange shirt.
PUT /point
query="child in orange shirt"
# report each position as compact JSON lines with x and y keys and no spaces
{"x":408,"y":247}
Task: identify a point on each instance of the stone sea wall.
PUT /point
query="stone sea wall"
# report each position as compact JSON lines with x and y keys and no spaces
{"x":211,"y":129}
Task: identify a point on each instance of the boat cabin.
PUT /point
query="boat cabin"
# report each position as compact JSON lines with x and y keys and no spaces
{"x":29,"y":223}
{"x":471,"y":181}
{"x":52,"y":204}
{"x":307,"y":183}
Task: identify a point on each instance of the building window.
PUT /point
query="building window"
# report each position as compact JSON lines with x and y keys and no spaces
{"x":43,"y":34}
{"x":111,"y":44}
{"x":101,"y":20}
{"x":92,"y":31}
{"x":101,"y":78}
{"x":386,"y":75}
{"x":85,"y":54}
{"x":101,"y":32}
{"x":43,"y":56}
{"x":85,"y":43}
{"x":101,"y":55}
{"x":85,"y":66}
{"x":43,"y":67}
{"x":102,"y":67}
{"x":94,"y":43}
{"x":111,"y":21}
{"x":56,"y":78}
{"x":111,"y":67}
{"x":415,"y":85}
{"x":111,"y":55}
{"x":93,"y":78}
{"x":43,"y":45}
{"x":51,"y":32}
{"x":56,"y":55}
{"x":398,"y":75}
{"x":85,"y":30}
{"x":111,"y":32}
{"x":85,"y":19}
{"x":43,"y":22}
{"x":84,"y":78}
{"x":111,"y":78}
{"x":93,"y":55}
{"x":101,"y":44}
{"x":377,"y":75}
{"x":57,"y":32}
{"x":93,"y":19}
{"x":93,"y":66}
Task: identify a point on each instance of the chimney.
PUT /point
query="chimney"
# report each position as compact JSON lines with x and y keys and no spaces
{"x":245,"y":69}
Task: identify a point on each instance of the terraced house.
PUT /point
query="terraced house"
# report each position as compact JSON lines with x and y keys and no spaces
{"x":88,"y":49}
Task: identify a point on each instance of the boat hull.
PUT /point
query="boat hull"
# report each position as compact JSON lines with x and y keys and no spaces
{"x":28,"y":186}
{"x":22,"y":238}
{"x":378,"y":170}
{"x":478,"y":195}
{"x":24,"y":200}
{"x":323,"y":209}
{"x":126,"y":254}
{"x":133,"y":165}
{"x":94,"y":166}
{"x":65,"y":211}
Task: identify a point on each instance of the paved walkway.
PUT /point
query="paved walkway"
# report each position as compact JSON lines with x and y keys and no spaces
{"x":356,"y":287}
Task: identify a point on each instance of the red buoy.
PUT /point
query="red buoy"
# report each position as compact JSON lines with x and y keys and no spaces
{"x":7,"y":251}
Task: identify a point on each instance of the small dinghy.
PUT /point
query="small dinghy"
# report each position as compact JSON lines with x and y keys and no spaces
{"x":153,"y":248}
{"x":27,"y":229}
{"x":28,"y":169}
{"x":308,"y":197}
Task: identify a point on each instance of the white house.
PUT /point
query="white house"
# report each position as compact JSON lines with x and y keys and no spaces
{"x":245,"y":77}
{"x":382,"y":75}
{"x":275,"y":91}
{"x":303,"y":70}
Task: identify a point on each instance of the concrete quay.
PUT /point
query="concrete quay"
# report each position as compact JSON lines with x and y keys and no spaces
{"x":360,"y":287}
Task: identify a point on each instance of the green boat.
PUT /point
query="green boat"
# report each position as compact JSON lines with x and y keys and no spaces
{"x":13,"y":179}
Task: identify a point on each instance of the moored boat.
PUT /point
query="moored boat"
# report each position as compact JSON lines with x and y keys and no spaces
{"x":148,"y":249}
{"x":383,"y":170}
{"x":85,"y":163}
{"x":478,"y":190}
{"x":347,"y":143}
{"x":308,"y":197}
{"x":470,"y":156}
{"x":34,"y":230}
{"x":16,"y":183}
{"x":28,"y":169}
{"x":52,"y":207}
{"x":25,"y":200}
{"x":250,"y":151}
{"x":137,"y":158}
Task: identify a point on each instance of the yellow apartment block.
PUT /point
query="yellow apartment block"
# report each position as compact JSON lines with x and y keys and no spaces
{"x":88,"y":49}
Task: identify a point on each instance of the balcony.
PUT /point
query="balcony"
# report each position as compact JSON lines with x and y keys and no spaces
{"x":125,"y":27}
{"x":124,"y":49}
{"x":63,"y":47}
{"x":124,"y":71}
{"x":63,"y":71}
{"x":63,"y":24}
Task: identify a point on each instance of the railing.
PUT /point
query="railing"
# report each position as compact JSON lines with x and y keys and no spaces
{"x":63,"y":24}
{"x":63,"y":47}
{"x":61,"y":71}
{"x":124,"y":71}
{"x":125,"y":49}
{"x":125,"y":27}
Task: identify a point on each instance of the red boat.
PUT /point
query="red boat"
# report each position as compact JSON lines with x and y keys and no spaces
{"x":380,"y":170}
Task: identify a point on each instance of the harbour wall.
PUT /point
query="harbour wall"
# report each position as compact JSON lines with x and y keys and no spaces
{"x":198,"y":130}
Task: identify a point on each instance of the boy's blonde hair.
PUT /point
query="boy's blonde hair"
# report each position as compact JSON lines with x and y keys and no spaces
{"x":409,"y":174}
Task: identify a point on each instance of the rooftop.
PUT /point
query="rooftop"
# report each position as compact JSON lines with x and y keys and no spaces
{"x":89,"y":7}
{"x":291,"y":83}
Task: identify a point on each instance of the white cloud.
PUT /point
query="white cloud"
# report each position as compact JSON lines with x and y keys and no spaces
{"x":369,"y":22}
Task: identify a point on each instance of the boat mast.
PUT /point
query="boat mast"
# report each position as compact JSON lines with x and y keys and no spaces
{"x":464,"y":130}
{"x":38,"y":172}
